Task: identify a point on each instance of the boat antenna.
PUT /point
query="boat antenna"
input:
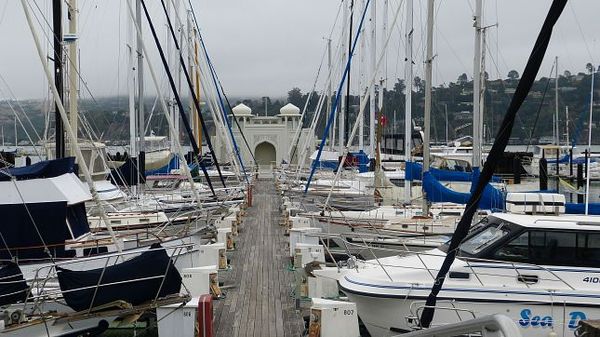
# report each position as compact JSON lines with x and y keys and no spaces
{"x":462,"y":229}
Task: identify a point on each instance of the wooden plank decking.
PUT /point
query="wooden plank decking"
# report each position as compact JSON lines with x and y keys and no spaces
{"x":259,"y":301}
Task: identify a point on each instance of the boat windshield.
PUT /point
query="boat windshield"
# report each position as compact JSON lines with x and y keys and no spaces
{"x":483,"y":239}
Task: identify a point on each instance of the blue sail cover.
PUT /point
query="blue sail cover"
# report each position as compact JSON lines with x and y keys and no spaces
{"x":140,"y":279}
{"x":414,"y":170}
{"x":436,"y":192}
{"x":573,"y":208}
{"x":44,"y":169}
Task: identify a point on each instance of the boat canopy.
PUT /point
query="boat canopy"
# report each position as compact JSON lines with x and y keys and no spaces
{"x":141,"y":279}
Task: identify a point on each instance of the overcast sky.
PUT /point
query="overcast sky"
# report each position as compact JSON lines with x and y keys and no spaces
{"x":266,"y":47}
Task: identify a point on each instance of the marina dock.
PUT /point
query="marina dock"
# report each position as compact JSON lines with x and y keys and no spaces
{"x":259,"y":285}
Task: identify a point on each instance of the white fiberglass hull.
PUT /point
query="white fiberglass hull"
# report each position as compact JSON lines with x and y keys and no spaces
{"x":388,"y":316}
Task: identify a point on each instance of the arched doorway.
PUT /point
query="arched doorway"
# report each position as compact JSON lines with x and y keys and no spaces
{"x":265,"y":155}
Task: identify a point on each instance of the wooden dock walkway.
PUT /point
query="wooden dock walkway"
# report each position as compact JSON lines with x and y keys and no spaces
{"x":259,"y":286}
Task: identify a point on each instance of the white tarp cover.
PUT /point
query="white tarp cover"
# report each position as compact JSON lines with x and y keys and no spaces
{"x":66,"y":187}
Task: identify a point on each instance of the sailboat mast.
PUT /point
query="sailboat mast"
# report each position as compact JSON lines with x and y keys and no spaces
{"x":477,"y":87}
{"x":556,"y":100}
{"x":58,"y":76}
{"x":408,"y":79}
{"x":343,"y":101}
{"x":362,"y":70}
{"x":329,"y":93}
{"x":131,"y":65}
{"x":384,"y":73}
{"x":140,"y":83}
{"x":428,"y":79}
{"x":589,"y":149}
{"x":347,"y":111}
{"x":73,"y":67}
{"x":372,"y":99}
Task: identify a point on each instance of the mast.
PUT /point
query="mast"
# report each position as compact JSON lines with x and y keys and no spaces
{"x":140,"y":83}
{"x":557,"y":139}
{"x":362,"y":97}
{"x":372,"y":99}
{"x":73,"y":69}
{"x":384,"y":73}
{"x":343,"y":101}
{"x":193,"y":64}
{"x":477,"y":88}
{"x":58,"y":76}
{"x":347,"y":111}
{"x":428,"y":79}
{"x":567,"y":124}
{"x":131,"y":93}
{"x":408,"y":79}
{"x":329,"y":92}
{"x":589,"y":149}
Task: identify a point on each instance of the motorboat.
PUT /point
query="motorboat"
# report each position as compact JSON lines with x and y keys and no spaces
{"x":539,"y":270}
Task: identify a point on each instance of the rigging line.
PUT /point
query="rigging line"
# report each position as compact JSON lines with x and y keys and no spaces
{"x":537,"y":116}
{"x":587,"y":47}
{"x":213,"y":75}
{"x":20,"y":106}
{"x":337,"y":101}
{"x":184,"y":118}
{"x":297,"y":133}
{"x":191,"y":88}
{"x":532,"y":67}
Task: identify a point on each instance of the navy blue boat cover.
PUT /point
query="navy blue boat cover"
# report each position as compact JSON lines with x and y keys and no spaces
{"x":43,"y":169}
{"x":13,"y":287}
{"x":27,"y":229}
{"x":125,"y":281}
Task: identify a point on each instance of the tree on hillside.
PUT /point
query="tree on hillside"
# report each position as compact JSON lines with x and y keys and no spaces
{"x":513,"y":75}
{"x":295,"y":97}
{"x":462,"y":79}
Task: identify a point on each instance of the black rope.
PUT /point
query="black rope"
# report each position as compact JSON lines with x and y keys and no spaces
{"x":462,"y":229}
{"x":186,"y":123}
{"x":191,"y":87}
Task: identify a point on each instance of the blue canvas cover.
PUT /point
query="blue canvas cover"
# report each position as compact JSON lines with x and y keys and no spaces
{"x":125,"y":281}
{"x":44,"y":169}
{"x":27,"y":229}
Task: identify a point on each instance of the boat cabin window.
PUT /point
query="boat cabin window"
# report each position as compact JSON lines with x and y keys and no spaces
{"x":559,"y":248}
{"x":484,"y":239}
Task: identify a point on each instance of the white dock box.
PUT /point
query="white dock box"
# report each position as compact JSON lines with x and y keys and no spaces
{"x":224,"y":236}
{"x":213,"y":254}
{"x":308,"y":253}
{"x":197,"y":280}
{"x":321,"y":287}
{"x":333,"y":319}
{"x":303,"y":235}
{"x":300,"y":222}
{"x":535,"y":203}
{"x":178,"y":321}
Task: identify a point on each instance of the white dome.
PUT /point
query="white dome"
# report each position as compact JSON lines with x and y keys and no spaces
{"x":289,"y":109}
{"x":242,"y":110}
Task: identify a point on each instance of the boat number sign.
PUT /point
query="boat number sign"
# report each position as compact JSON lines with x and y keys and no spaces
{"x":530,"y":319}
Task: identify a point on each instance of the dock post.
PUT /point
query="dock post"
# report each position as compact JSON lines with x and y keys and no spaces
{"x":579,"y":182}
{"x":516,"y":167}
{"x":543,"y":174}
